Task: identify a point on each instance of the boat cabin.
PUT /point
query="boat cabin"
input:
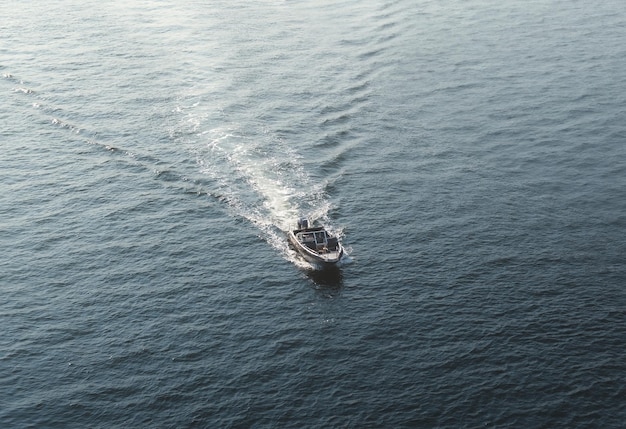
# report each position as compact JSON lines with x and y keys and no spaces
{"x":317,"y":239}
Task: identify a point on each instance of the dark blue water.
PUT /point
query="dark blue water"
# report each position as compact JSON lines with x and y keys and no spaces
{"x":470,"y":154}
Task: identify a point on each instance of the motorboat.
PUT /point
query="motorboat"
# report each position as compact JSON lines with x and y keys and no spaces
{"x":316,"y":244}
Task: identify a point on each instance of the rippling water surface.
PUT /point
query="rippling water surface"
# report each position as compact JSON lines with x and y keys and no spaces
{"x":469,"y":153}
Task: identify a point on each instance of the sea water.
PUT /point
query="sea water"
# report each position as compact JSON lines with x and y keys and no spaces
{"x":470,"y":154}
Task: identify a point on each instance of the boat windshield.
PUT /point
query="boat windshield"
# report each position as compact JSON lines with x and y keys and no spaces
{"x":320,"y":237}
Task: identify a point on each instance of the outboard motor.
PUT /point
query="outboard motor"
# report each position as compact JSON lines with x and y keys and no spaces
{"x":303,"y":223}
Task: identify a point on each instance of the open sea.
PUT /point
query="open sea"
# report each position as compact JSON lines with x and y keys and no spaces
{"x":471,"y":155}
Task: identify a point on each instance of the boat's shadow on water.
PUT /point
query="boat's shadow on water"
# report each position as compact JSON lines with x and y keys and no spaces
{"x":329,"y":281}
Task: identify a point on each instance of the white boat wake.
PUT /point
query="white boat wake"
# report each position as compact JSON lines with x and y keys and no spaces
{"x":259,"y":177}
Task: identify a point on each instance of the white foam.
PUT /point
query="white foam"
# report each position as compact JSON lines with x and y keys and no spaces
{"x":258,"y":175}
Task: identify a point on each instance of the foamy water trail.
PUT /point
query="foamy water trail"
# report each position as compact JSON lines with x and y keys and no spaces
{"x":260,"y":177}
{"x":256,"y":173}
